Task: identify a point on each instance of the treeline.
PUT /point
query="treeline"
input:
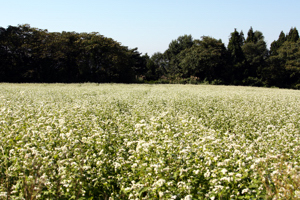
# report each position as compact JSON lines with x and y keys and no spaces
{"x":245,"y":61}
{"x":34,"y":55}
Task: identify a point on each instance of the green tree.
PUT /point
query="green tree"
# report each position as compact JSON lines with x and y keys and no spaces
{"x":284,"y":68}
{"x":289,"y":53}
{"x":171,"y":54}
{"x":251,"y":36}
{"x":276,"y":44}
{"x":293,"y":35}
{"x":180,"y":44}
{"x":150,"y":69}
{"x":161,"y":62}
{"x":237,"y":57}
{"x":138,"y":63}
{"x":3,"y":55}
{"x":205,"y":60}
{"x":34,"y":55}
{"x":255,"y":52}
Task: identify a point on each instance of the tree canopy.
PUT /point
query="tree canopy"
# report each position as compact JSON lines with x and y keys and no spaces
{"x":34,"y":55}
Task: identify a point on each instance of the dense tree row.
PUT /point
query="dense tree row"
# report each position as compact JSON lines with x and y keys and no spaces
{"x":34,"y":55}
{"x":245,"y":61}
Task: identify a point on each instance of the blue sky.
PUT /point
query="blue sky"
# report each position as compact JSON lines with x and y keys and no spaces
{"x":152,"y":25}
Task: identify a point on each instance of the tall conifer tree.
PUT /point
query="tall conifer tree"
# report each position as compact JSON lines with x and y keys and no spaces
{"x":293,"y":35}
{"x":250,"y":37}
{"x":276,"y":44}
{"x":234,"y":47}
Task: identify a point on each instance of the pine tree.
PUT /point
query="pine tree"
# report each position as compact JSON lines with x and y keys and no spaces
{"x":293,"y":35}
{"x":282,"y":38}
{"x":250,"y":37}
{"x":255,"y":52}
{"x":235,"y":44}
{"x":234,"y":47}
{"x":276,"y":44}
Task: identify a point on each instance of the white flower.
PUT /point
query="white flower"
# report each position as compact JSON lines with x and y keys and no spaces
{"x":161,"y":194}
{"x":245,"y":191}
{"x":188,"y":197}
{"x":3,"y":194}
{"x":224,"y":171}
{"x":228,"y":179}
{"x":134,"y":165}
{"x":117,"y":165}
{"x":207,"y":174}
{"x":160,"y":182}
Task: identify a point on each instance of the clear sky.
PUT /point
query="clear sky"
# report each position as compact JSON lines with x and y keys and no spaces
{"x":152,"y":25}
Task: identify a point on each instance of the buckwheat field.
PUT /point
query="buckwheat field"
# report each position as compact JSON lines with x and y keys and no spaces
{"x":114,"y":141}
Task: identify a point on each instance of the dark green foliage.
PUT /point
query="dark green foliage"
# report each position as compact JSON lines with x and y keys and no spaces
{"x":156,"y":66}
{"x":237,"y":57}
{"x":255,"y":52}
{"x":180,"y":44}
{"x":235,"y":44}
{"x":206,"y":59}
{"x":175,"y":47}
{"x":33,"y":55}
{"x":293,"y":35}
{"x":276,"y":44}
{"x":284,"y":68}
{"x":251,"y":36}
